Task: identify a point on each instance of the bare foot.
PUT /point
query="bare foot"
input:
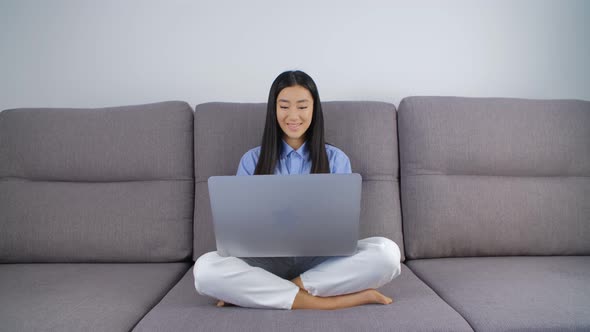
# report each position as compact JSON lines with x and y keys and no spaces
{"x":303,"y":300}
{"x":224,"y":304}
{"x":373,"y":296}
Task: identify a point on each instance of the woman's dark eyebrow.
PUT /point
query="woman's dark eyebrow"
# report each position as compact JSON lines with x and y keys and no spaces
{"x":299,"y":101}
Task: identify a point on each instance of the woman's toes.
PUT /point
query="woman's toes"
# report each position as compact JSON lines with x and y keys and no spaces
{"x":380,"y":298}
{"x":221,"y":303}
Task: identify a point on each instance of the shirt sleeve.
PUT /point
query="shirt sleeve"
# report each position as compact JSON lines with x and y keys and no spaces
{"x":247,"y":164}
{"x":340,"y":164}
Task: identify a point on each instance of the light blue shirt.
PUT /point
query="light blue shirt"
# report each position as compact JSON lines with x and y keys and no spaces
{"x":293,"y":161}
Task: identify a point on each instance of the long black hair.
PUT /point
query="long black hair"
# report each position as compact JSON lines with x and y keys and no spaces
{"x":271,"y":139}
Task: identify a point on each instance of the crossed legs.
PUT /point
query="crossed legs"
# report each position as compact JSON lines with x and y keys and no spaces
{"x":304,"y":300}
{"x":339,"y":282}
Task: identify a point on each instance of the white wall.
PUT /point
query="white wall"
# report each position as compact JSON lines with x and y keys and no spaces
{"x":76,"y":53}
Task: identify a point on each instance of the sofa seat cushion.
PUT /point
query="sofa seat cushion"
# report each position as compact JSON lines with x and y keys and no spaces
{"x":82,"y":297}
{"x":415,"y":308}
{"x":513,"y":293}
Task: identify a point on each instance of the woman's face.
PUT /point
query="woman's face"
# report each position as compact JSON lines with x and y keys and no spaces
{"x":294,"y":113}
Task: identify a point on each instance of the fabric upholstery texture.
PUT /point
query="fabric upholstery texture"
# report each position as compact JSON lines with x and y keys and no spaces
{"x":121,"y":185}
{"x":415,"y":308}
{"x":494,"y":176}
{"x":513,"y":293}
{"x":97,"y":185}
{"x":365,"y":131}
{"x":82,"y":297}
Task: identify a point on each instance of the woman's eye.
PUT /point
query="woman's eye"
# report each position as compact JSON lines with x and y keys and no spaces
{"x":302,"y":108}
{"x":284,"y":107}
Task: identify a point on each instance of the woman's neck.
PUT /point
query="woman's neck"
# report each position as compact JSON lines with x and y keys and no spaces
{"x":295,"y":143}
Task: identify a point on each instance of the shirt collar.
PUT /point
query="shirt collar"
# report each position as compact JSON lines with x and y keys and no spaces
{"x":303,"y":150}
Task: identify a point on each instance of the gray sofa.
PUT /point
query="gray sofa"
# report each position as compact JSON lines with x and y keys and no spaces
{"x":103,"y":212}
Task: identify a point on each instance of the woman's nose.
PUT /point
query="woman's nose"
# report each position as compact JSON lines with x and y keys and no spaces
{"x":292,"y":116}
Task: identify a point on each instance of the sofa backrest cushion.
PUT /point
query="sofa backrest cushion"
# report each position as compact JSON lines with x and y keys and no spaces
{"x":365,"y":131}
{"x":97,"y":185}
{"x":494,"y":176}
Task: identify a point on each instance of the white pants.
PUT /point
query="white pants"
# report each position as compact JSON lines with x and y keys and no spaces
{"x":250,"y":282}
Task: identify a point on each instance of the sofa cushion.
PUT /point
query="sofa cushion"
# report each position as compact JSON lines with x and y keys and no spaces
{"x":491,"y":176}
{"x":97,"y":185}
{"x":365,"y":131}
{"x":415,"y":308}
{"x":82,"y":297}
{"x":513,"y":293}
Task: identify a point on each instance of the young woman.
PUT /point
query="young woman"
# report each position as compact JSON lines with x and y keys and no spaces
{"x":293,"y":143}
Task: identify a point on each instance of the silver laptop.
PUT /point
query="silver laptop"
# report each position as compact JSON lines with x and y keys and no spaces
{"x":286,"y":215}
